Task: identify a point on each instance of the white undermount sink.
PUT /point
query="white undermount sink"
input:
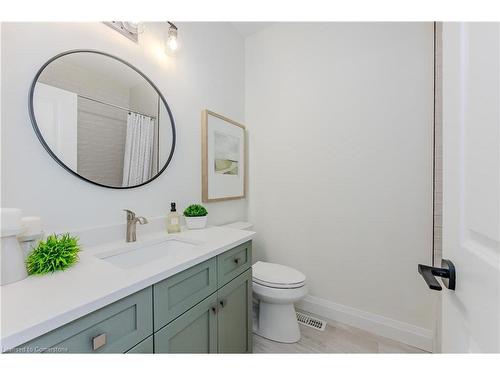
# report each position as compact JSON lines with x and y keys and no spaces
{"x":138,"y":254}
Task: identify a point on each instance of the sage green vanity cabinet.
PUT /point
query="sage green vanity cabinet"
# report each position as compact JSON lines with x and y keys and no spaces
{"x":193,"y":332}
{"x":180,"y":292}
{"x":115,"y":328}
{"x":219,"y":324}
{"x":234,"y":318}
{"x":204,"y":309}
{"x":144,"y":347}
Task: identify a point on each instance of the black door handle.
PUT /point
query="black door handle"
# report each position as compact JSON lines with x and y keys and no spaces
{"x":446,"y":272}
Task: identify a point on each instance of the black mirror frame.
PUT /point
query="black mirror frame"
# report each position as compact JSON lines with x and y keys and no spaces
{"x":54,"y":156}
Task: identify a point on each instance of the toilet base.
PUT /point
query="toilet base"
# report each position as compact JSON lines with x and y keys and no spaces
{"x":278,"y":322}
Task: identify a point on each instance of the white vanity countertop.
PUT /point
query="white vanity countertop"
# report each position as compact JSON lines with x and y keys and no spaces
{"x":40,"y":304}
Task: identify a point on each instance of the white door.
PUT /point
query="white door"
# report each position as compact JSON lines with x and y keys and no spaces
{"x":471,"y":183}
{"x":56,"y":113}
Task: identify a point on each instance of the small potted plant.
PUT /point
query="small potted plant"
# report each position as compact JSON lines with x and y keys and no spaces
{"x":56,"y":253}
{"x":196,"y":216}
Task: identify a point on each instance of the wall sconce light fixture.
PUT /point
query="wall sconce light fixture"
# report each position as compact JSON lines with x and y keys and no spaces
{"x":172,"y":44}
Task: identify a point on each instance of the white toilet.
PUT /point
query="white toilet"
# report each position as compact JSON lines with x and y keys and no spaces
{"x":276,"y":288}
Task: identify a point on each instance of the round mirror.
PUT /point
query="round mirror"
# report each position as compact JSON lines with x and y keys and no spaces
{"x":102,"y":119}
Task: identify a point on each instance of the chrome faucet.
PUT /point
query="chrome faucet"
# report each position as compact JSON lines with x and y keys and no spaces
{"x":132,"y":221}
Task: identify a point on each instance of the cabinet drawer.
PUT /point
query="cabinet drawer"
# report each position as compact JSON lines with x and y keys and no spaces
{"x":177,"y":294}
{"x":144,"y":347}
{"x":233,"y":262}
{"x":112,"y":329}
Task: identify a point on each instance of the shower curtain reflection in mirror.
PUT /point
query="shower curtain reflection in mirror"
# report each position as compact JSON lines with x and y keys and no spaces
{"x":138,"y":160}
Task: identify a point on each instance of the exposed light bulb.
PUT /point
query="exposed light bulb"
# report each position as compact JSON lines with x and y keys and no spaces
{"x":172,"y":44}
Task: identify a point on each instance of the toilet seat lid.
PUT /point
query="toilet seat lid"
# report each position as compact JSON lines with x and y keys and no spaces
{"x":272,"y":274}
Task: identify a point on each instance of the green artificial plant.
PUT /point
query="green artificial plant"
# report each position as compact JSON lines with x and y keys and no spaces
{"x":56,"y":253}
{"x":195,"y":210}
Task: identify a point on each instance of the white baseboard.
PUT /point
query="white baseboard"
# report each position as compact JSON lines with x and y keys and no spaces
{"x":393,"y":329}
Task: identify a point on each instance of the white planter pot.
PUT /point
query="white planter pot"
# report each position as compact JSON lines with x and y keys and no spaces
{"x":198,"y":222}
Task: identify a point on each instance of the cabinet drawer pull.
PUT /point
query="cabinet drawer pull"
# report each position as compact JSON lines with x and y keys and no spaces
{"x":237,"y":260}
{"x":98,"y":341}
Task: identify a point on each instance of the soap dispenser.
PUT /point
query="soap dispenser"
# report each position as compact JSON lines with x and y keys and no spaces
{"x":173,"y":220}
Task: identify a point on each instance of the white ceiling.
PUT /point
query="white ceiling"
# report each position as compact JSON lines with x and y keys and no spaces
{"x":249,"y":28}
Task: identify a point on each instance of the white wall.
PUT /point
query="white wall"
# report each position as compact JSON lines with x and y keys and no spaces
{"x":340,"y":128}
{"x":208,"y":72}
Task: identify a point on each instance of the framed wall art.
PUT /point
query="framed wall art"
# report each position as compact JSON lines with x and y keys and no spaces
{"x":223,"y":158}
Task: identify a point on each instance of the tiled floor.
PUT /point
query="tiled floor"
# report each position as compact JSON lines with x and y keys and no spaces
{"x":337,"y":338}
